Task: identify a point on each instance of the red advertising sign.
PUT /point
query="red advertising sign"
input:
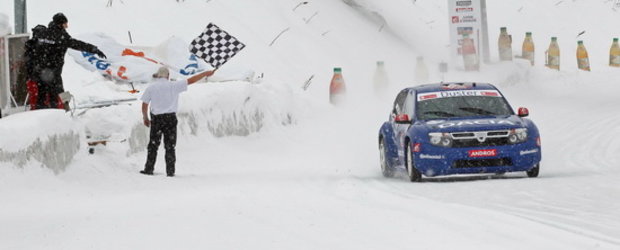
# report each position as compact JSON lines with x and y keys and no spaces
{"x":482,"y":153}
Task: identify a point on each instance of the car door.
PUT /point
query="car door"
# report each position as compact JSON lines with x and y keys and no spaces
{"x":402,"y":105}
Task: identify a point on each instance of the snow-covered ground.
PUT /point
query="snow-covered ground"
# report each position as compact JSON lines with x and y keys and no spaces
{"x":316,"y":183}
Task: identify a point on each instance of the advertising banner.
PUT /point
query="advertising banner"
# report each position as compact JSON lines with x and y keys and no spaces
{"x":137,"y":64}
{"x":468,"y":17}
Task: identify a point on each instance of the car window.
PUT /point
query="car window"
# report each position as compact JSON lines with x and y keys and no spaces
{"x":408,"y":106}
{"x":399,"y":102}
{"x":462,"y":106}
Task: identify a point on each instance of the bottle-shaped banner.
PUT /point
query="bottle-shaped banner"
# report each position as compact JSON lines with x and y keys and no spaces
{"x":614,"y":54}
{"x":527,"y":51}
{"x":504,"y":43}
{"x":553,"y":54}
{"x":421,"y":71}
{"x":337,"y":88}
{"x":381,"y":80}
{"x":470,"y":57}
{"x":582,"y":57}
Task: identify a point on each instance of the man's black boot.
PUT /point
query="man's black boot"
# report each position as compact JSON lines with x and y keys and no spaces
{"x":146,"y":172}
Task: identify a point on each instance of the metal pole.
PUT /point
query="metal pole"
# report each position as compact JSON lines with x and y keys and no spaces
{"x":20,"y":17}
{"x":486,"y":55}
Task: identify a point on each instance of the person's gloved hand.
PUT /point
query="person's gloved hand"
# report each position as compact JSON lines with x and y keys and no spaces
{"x":100,"y":54}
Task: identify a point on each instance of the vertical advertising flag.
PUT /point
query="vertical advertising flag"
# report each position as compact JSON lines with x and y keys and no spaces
{"x":468,"y":17}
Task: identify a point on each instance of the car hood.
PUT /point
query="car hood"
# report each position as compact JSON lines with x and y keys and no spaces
{"x":474,"y":124}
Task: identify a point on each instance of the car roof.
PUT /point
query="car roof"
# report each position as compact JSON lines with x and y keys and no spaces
{"x":448,"y":86}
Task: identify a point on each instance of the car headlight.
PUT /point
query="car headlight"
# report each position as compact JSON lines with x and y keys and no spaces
{"x":440,"y":139}
{"x":517,"y":135}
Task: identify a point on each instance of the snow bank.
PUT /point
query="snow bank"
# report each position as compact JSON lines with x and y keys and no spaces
{"x":116,"y":124}
{"x":235,"y":108}
{"x":50,"y":137}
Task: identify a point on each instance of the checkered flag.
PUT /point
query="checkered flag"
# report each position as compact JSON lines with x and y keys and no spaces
{"x":215,"y":46}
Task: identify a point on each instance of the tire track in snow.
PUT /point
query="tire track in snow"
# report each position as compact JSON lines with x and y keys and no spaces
{"x":538,"y":217}
{"x":585,"y":144}
{"x":557,"y":217}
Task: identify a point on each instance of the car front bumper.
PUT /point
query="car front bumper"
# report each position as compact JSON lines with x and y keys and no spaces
{"x":435,"y":161}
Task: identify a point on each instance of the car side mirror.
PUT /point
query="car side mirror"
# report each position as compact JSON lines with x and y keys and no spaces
{"x":523,"y":112}
{"x":402,"y":119}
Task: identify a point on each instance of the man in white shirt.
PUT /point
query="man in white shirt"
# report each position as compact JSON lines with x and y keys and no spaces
{"x":163,"y":97}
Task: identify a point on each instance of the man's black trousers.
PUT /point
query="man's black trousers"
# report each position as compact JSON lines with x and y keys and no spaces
{"x":166,"y":125}
{"x":47,"y":96}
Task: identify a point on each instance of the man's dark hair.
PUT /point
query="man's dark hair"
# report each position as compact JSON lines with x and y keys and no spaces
{"x":37,"y":31}
{"x":59,"y":19}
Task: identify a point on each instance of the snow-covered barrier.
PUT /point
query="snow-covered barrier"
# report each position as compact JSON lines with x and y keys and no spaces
{"x":116,"y":124}
{"x":235,"y":108}
{"x":50,"y":137}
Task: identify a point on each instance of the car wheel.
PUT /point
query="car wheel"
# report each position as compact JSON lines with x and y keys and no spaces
{"x":412,"y":172}
{"x":386,"y":169}
{"x":534,"y":171}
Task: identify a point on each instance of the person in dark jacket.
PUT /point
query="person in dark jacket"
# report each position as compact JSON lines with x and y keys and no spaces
{"x":53,"y":45}
{"x":31,"y":59}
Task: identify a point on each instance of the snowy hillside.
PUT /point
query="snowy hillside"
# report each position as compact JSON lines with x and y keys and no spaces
{"x":306,"y":174}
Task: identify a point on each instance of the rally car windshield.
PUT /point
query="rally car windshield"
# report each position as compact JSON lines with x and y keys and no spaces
{"x":462,"y":106}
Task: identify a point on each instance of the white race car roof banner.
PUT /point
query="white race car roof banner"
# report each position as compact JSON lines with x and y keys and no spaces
{"x":457,"y":93}
{"x":137,"y":64}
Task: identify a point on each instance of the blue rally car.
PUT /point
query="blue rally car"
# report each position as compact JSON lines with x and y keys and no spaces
{"x":457,"y":128}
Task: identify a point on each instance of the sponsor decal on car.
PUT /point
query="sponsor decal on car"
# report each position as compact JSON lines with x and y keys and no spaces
{"x":435,"y":122}
{"x":457,"y":93}
{"x":426,"y":97}
{"x":527,"y":152}
{"x":482,"y":153}
{"x":490,"y":93}
{"x":417,"y":147}
{"x":475,"y":122}
{"x":432,"y":157}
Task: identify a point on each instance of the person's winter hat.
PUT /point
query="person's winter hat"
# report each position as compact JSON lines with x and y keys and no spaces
{"x":37,"y":31}
{"x":162,"y":72}
{"x":60,"y":19}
